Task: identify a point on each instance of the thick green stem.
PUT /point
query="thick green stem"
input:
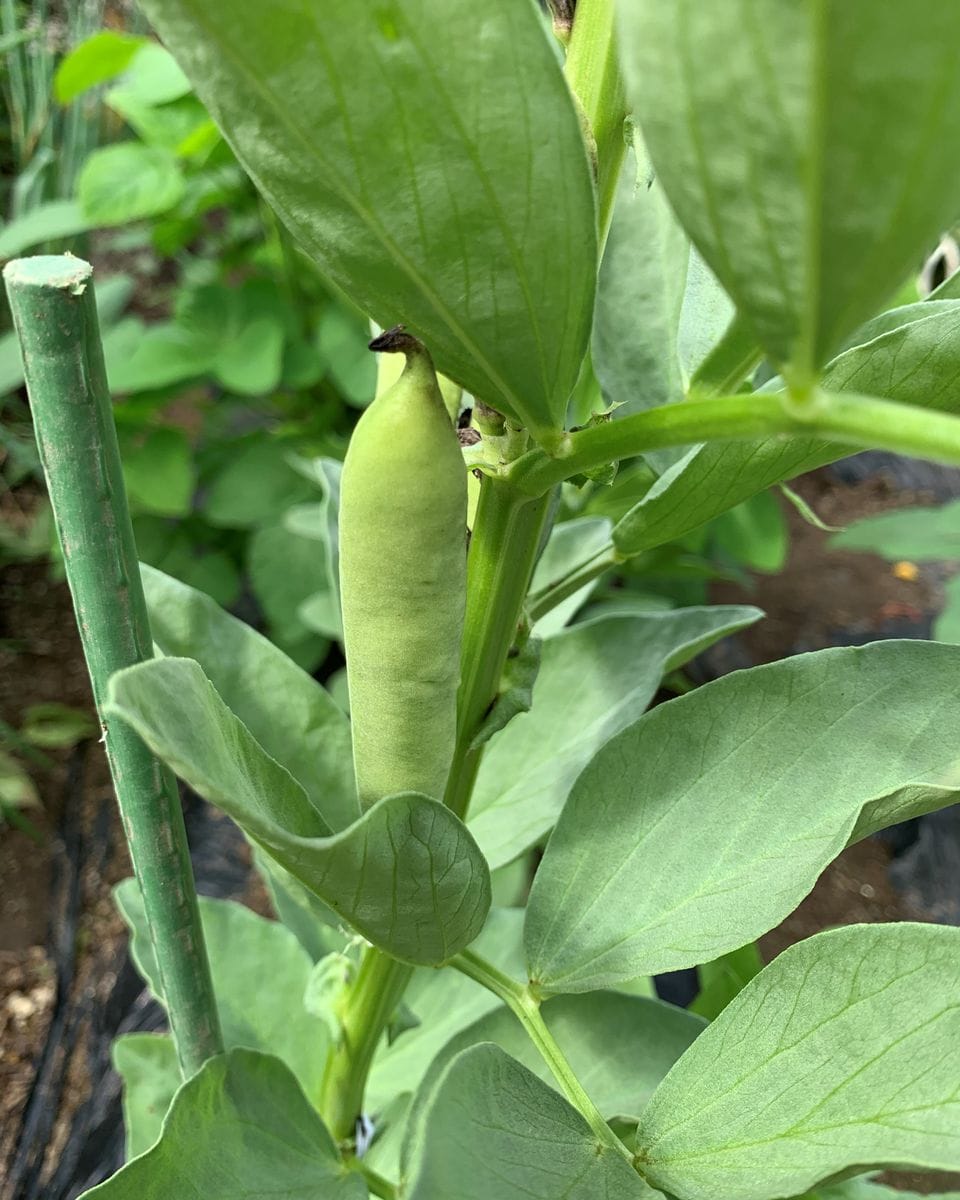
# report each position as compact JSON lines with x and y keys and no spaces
{"x":53,"y":307}
{"x":526,"y":1008}
{"x":503,"y":551}
{"x":593,"y":72}
{"x":369,"y":1005}
{"x":862,"y":422}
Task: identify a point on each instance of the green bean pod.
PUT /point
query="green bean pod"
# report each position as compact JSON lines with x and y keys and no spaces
{"x":403,"y":500}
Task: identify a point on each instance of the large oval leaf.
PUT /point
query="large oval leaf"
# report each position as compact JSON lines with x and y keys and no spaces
{"x":292,"y":717}
{"x":240,"y":1129}
{"x":594,"y":680}
{"x":407,"y":874}
{"x":428,"y":156}
{"x":705,"y":823}
{"x":802,"y":145}
{"x":244,"y":949}
{"x":844,"y":1052}
{"x":489,"y":1128}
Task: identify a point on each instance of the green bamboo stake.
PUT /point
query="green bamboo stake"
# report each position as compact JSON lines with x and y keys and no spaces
{"x":54,"y":311}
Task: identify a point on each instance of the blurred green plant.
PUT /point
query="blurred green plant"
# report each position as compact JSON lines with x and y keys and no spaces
{"x":910,"y":536}
{"x":237,"y":363}
{"x":43,"y":727}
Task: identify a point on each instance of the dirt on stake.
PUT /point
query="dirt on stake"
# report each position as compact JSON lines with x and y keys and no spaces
{"x":55,"y":315}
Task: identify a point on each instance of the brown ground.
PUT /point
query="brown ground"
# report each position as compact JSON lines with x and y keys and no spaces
{"x":825,"y":596}
{"x":818,"y":597}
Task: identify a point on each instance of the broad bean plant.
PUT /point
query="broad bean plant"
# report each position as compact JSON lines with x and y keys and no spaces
{"x":643,"y":232}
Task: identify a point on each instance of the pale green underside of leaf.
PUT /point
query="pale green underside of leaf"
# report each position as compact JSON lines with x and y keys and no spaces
{"x":240,"y":1129}
{"x":639,"y":297}
{"x":659,"y":309}
{"x":439,"y":179}
{"x":289,"y":714}
{"x":245,"y":950}
{"x":705,"y":823}
{"x":843,"y":1052}
{"x":620,"y":1047}
{"x":487,"y":1128}
{"x":570,"y":544}
{"x":147,"y":1064}
{"x":594,"y":679}
{"x":771,"y":162}
{"x":407,"y":874}
{"x":916,"y":362}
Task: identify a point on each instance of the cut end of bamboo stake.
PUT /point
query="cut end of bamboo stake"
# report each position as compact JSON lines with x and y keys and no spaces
{"x":60,"y":272}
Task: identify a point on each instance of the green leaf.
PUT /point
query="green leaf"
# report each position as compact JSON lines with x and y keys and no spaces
{"x":139,"y":358}
{"x":314,"y":924}
{"x":321,"y":613}
{"x":619,"y":1047}
{"x":725,"y":978}
{"x":487,"y":1128}
{"x":570,"y":544}
{"x":126,"y":182}
{"x":342,"y":341}
{"x":771,"y":163}
{"x":159,"y":473}
{"x":244,"y":951}
{"x":407,"y":875}
{"x":96,"y":59}
{"x":251,"y":364}
{"x":711,"y":340}
{"x":17,"y":789}
{"x":473,"y":227}
{"x":240,"y":1129}
{"x":257,"y":681}
{"x":154,"y":76}
{"x":639,"y":298}
{"x":321,"y":521}
{"x":256,"y":484}
{"x":916,"y":362}
{"x":805,"y":510}
{"x":243,"y":330}
{"x":444,"y":1002}
{"x":325,"y":989}
{"x":173,"y":548}
{"x":595,"y":679}
{"x":147,"y":1064}
{"x":285,"y":570}
{"x":515,"y":694}
{"x":917,"y":534}
{"x":167,"y":126}
{"x":842,"y":1053}
{"x":754,"y":534}
{"x":54,"y":725}
{"x":49,"y":222}
{"x":947,"y":626}
{"x":666,"y":855}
